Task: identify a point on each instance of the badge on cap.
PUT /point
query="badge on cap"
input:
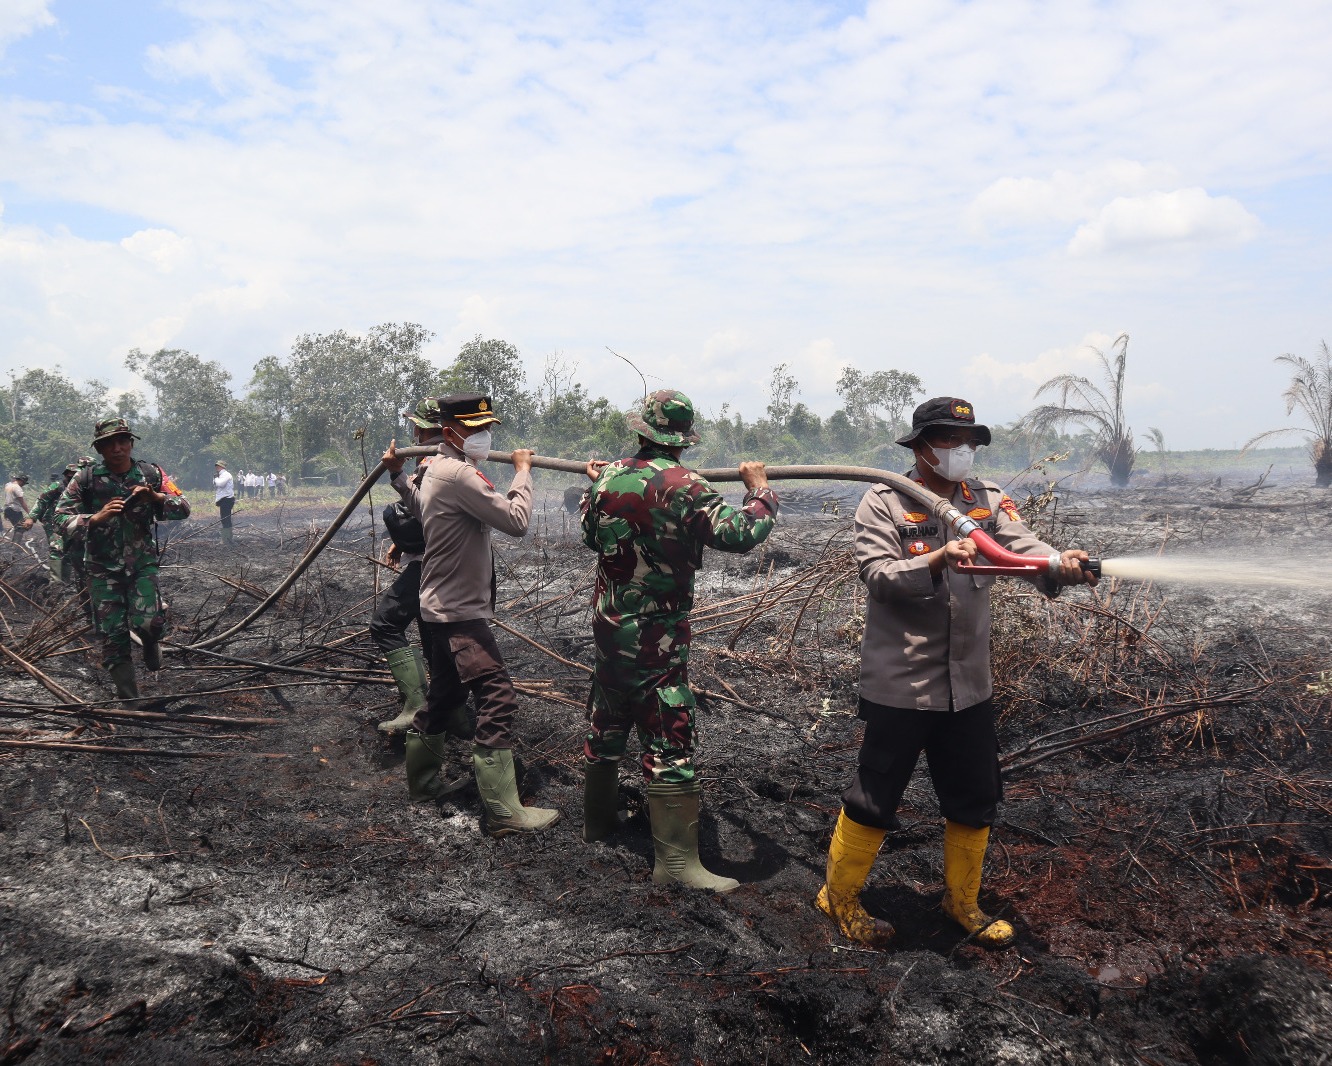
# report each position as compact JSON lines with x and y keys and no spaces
{"x":963,"y":412}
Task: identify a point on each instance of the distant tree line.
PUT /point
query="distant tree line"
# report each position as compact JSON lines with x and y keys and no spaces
{"x":327,"y":408}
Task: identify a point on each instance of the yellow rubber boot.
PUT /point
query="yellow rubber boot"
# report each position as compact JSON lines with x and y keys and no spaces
{"x":964,"y":854}
{"x":850,"y":856}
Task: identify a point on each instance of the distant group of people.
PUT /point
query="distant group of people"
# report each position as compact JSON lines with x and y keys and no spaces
{"x":252,"y":483}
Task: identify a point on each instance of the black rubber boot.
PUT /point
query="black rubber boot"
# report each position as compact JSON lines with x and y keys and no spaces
{"x":601,"y":797}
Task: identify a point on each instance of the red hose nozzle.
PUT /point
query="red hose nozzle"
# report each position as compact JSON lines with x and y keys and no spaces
{"x":1003,"y":561}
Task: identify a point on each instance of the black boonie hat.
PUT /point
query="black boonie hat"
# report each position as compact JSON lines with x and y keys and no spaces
{"x":469,"y":408}
{"x":944,"y":411}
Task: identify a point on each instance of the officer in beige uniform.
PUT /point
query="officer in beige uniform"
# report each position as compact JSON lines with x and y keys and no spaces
{"x":925,"y":681}
{"x":458,"y":507}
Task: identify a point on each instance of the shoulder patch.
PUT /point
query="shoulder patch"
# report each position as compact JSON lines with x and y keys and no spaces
{"x":1009,"y":508}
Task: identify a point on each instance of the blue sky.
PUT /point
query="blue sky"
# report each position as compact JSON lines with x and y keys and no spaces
{"x":974,"y":192}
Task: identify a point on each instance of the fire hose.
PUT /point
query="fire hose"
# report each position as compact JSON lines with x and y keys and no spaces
{"x":1001,"y":560}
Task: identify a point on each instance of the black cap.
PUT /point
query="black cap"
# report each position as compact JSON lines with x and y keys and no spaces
{"x":469,"y":408}
{"x":944,"y":411}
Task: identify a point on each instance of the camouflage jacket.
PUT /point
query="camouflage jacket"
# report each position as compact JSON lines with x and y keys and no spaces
{"x":649,"y":518}
{"x":44,"y":510}
{"x":125,"y":543}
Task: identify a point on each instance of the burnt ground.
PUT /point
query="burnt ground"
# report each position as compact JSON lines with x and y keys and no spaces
{"x":1169,"y":883}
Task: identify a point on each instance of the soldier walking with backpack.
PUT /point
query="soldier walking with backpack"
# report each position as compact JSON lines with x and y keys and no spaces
{"x":113,"y":505}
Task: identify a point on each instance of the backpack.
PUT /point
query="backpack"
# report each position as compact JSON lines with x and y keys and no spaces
{"x":405,"y":528}
{"x":152,"y":473}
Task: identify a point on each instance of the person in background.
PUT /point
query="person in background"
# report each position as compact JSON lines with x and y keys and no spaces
{"x":44,"y":512}
{"x":16,"y":509}
{"x":224,"y":497}
{"x":399,"y":607}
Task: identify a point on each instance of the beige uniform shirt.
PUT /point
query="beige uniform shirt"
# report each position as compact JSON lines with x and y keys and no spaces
{"x":927,"y":638}
{"x":458,"y":506}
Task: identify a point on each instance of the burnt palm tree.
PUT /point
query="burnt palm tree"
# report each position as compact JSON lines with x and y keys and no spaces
{"x":1311,"y":391}
{"x":1101,"y":411}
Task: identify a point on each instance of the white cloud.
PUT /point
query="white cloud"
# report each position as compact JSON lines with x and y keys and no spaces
{"x":164,"y":249}
{"x":985,"y":373}
{"x":18,"y":18}
{"x":1185,"y":216}
{"x":703,"y":187}
{"x":1066,"y":196}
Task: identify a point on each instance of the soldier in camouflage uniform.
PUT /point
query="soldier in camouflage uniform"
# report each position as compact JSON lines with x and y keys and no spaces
{"x":44,"y":512}
{"x":649,"y":518}
{"x":114,"y":504}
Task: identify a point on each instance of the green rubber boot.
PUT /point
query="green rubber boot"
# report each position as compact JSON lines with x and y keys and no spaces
{"x":601,"y":797}
{"x":122,"y":676}
{"x":498,"y":785}
{"x":409,"y":671}
{"x":673,"y":807}
{"x":425,"y":765}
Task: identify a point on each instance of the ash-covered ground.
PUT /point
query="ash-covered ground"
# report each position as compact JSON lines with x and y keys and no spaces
{"x":285,"y":903}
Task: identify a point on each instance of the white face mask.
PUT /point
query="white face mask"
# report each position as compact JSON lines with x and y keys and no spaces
{"x":477,"y":446}
{"x":954,"y":464}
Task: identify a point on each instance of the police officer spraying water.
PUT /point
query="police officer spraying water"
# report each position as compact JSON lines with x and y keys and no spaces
{"x":925,"y":681}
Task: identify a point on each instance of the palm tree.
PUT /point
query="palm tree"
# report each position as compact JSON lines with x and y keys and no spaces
{"x":1311,"y":391}
{"x":1099,"y":411}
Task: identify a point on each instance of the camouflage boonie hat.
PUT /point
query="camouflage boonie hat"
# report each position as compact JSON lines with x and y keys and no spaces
{"x":112,"y":427}
{"x":426,"y":414}
{"x":22,"y":477}
{"x":667,"y":418}
{"x":70,"y":470}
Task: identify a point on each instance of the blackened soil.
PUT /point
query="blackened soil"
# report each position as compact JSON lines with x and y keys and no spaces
{"x":1169,"y":886}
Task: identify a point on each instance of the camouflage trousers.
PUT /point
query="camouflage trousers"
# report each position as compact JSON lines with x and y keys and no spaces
{"x":125,"y":602}
{"x":658,"y":704}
